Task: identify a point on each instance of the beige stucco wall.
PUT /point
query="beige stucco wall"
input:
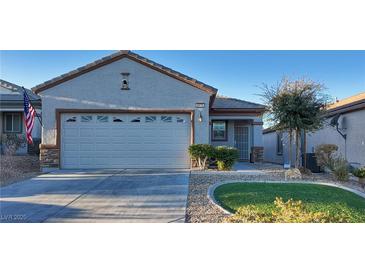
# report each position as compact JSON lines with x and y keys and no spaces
{"x":101,"y":89}
{"x":270,"y":150}
{"x":354,"y":151}
{"x":355,"y":143}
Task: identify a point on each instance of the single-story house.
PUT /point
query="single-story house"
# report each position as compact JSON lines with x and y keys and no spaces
{"x":348,"y":114}
{"x":11,"y":116}
{"x":126,"y":111}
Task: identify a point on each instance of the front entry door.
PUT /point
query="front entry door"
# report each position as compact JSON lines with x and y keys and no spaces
{"x":241,"y":140}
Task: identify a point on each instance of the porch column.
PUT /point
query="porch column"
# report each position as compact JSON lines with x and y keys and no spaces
{"x":257,"y":148}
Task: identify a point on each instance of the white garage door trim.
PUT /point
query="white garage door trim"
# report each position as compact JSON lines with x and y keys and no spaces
{"x":88,"y":142}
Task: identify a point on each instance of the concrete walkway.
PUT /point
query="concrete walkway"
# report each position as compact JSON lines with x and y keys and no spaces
{"x":247,"y":168}
{"x":97,"y":196}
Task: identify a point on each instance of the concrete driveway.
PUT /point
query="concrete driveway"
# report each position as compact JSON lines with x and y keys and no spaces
{"x":97,"y":196}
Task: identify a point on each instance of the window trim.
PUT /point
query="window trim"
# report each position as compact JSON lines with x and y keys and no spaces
{"x":12,"y":122}
{"x":279,"y":137}
{"x":225,"y":139}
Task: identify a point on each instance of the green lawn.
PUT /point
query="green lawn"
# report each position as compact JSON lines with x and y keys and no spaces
{"x":315,"y":197}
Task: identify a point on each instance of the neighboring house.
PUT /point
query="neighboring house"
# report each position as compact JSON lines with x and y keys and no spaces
{"x":125,"y":111}
{"x":11,"y":116}
{"x":350,"y":113}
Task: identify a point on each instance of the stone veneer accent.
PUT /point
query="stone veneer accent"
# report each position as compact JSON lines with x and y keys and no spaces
{"x":257,"y":154}
{"x":49,"y":157}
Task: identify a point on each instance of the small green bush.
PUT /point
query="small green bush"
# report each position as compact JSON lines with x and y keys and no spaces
{"x":324,"y":154}
{"x":289,"y":212}
{"x":201,"y":153}
{"x":340,"y":168}
{"x":359,"y":172}
{"x":226,"y":157}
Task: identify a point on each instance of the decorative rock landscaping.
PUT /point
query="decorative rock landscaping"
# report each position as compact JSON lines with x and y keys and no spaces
{"x":17,"y":168}
{"x":201,"y":210}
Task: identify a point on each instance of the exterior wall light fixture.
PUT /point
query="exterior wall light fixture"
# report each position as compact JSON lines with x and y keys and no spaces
{"x":200,"y":118}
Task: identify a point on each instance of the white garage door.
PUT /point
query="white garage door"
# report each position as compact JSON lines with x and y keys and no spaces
{"x":125,"y":141}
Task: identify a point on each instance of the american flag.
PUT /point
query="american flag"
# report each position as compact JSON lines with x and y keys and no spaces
{"x":29,"y":116}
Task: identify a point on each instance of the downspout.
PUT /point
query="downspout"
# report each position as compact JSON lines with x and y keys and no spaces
{"x":334,"y":122}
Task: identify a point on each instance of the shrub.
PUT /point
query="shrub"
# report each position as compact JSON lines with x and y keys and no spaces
{"x":226,"y":157}
{"x":289,"y":212}
{"x":201,"y":153}
{"x":324,"y":154}
{"x":12,"y":142}
{"x":292,"y":173}
{"x":359,"y":172}
{"x":340,"y":168}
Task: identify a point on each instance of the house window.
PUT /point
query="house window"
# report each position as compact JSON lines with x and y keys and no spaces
{"x":219,"y":130}
{"x":279,"y":143}
{"x":13,"y":123}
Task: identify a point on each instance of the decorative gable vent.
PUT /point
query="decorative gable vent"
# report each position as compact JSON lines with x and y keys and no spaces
{"x":125,"y":81}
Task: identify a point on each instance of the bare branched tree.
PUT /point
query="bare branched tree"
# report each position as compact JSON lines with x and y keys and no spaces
{"x":295,"y":106}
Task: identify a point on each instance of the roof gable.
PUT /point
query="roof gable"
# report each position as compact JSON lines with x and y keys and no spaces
{"x":120,"y":55}
{"x":13,"y":92}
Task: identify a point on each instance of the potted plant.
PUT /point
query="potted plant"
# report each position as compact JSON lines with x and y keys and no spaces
{"x":360,"y":173}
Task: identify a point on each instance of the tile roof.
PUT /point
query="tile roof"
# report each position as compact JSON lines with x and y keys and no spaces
{"x":117,"y":56}
{"x":222,"y":102}
{"x":16,"y":92}
{"x":347,"y":101}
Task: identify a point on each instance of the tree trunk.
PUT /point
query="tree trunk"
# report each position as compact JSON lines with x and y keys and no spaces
{"x":305,"y":149}
{"x":297,"y":148}
{"x":290,"y":146}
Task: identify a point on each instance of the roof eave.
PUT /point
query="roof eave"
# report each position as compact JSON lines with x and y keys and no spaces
{"x":359,"y":105}
{"x":238,"y":110}
{"x":123,"y":54}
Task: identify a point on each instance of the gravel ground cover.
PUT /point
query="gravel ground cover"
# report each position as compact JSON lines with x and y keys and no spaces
{"x":16,"y":168}
{"x":201,"y":210}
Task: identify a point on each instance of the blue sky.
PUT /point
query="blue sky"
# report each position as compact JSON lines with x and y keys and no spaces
{"x":234,"y":73}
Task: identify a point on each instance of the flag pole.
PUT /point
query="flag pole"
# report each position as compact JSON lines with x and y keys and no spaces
{"x":36,"y":114}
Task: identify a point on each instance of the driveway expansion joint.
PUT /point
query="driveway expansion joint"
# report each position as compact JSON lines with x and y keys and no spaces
{"x":82,"y":194}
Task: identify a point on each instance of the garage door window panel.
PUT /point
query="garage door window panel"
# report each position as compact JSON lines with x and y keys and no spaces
{"x":150,"y":119}
{"x":86,"y":119}
{"x":117,"y":120}
{"x":136,"y":120}
{"x":180,"y":120}
{"x":71,"y":119}
{"x":166,"y":119}
{"x":102,"y":118}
